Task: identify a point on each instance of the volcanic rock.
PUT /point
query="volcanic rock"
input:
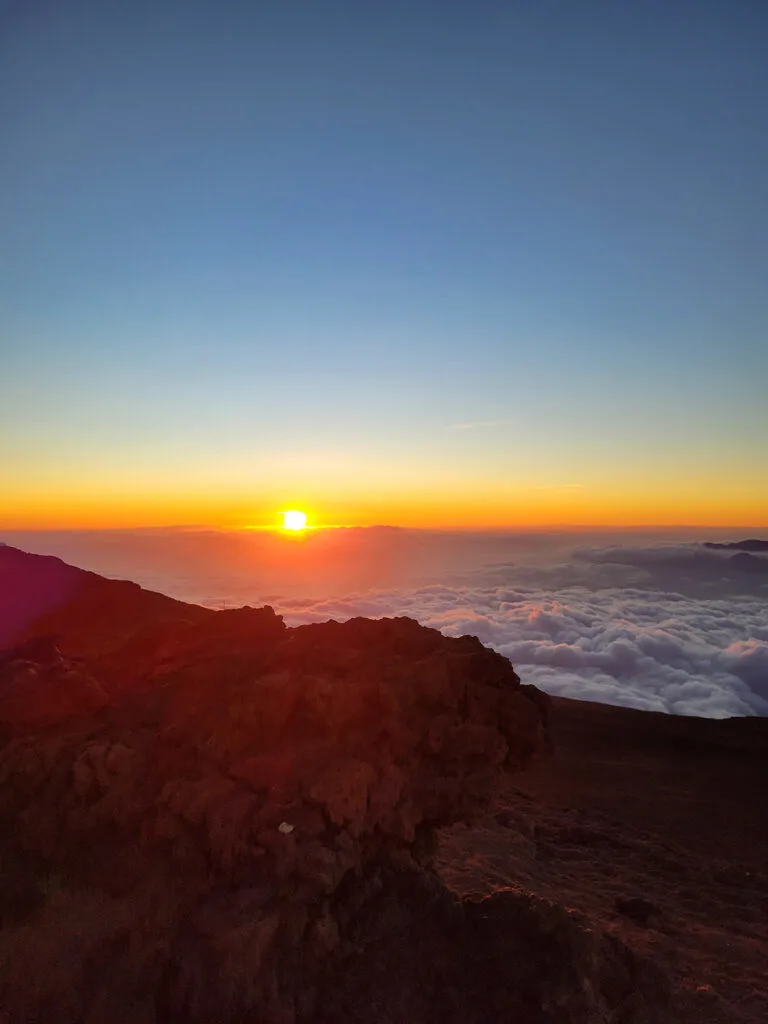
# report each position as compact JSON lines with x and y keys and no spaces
{"x":210,"y":817}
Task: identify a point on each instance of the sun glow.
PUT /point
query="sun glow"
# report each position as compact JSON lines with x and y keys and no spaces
{"x":294,"y":520}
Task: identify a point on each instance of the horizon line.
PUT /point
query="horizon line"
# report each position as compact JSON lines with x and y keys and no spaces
{"x":510,"y":527}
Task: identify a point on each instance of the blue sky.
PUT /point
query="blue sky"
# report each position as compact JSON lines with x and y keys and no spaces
{"x":285,"y":238}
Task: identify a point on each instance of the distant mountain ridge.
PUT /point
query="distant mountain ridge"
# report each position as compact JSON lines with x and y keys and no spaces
{"x":738,"y":545}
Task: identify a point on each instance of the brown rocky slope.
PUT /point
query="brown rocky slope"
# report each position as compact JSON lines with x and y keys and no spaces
{"x":205,"y":816}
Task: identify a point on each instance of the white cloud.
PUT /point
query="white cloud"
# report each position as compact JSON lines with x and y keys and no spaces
{"x":654,"y":650}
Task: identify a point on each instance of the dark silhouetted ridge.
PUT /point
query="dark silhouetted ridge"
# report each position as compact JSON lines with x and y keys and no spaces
{"x":739,"y":545}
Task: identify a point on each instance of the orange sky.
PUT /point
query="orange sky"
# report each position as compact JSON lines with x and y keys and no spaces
{"x":470,"y":508}
{"x":481,"y":475}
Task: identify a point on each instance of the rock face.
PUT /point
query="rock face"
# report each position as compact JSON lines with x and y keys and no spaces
{"x":215,"y":818}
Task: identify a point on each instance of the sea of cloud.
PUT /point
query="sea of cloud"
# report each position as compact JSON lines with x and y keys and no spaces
{"x":660,"y":651}
{"x":649,"y":621}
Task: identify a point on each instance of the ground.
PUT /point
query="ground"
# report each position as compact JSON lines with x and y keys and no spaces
{"x":653,"y":826}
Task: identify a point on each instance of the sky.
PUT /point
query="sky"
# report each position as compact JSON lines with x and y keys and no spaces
{"x":426,"y":264}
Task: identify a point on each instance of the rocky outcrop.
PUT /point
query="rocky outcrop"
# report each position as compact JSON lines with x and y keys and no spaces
{"x":511,"y":956}
{"x":229,"y":820}
{"x":38,"y":686}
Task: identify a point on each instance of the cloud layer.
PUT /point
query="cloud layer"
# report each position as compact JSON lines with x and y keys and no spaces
{"x":672,"y":626}
{"x":656,"y":651}
{"x":667,"y":627}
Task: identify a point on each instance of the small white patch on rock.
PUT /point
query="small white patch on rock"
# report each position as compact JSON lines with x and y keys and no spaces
{"x":286,"y":828}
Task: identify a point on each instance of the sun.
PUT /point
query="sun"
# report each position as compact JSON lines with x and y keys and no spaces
{"x":294,"y":520}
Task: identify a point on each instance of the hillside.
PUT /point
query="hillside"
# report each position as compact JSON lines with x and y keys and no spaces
{"x":205,"y":816}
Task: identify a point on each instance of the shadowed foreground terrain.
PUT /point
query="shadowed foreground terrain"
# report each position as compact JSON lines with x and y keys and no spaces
{"x":207,"y":817}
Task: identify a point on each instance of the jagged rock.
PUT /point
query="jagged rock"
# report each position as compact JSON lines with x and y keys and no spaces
{"x":38,"y":686}
{"x":242,"y":828}
{"x":508,"y":957}
{"x":373,"y":728}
